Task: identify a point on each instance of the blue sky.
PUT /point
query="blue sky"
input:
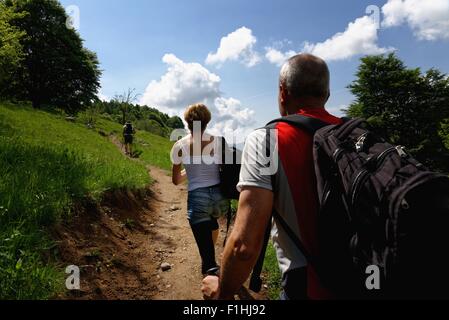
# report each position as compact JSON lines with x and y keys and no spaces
{"x":132,"y":37}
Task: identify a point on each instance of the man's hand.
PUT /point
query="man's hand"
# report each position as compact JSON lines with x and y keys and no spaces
{"x":211,"y":288}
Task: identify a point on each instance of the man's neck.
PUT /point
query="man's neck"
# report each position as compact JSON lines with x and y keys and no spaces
{"x":303,"y":107}
{"x":306,"y":103}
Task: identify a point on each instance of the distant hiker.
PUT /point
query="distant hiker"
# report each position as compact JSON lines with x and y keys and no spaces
{"x":291,"y":191}
{"x":198,"y":156}
{"x":128,"y":136}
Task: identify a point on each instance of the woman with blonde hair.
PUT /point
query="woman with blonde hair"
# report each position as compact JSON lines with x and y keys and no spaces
{"x":199,"y":159}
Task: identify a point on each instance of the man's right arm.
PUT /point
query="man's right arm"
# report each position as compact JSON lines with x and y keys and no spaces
{"x":254,"y":213}
{"x":246,"y":240}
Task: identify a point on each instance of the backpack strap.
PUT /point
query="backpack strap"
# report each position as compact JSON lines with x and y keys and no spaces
{"x":309,"y":124}
{"x":223,"y":150}
{"x":346,"y":128}
{"x":228,"y":223}
{"x":297,"y":241}
{"x":229,"y":213}
{"x":255,"y":283}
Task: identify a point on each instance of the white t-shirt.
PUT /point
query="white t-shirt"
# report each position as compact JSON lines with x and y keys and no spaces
{"x":252,"y":175}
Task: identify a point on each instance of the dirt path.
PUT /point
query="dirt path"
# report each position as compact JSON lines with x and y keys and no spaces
{"x":174,"y":242}
{"x":184,"y":279}
{"x":121,"y":243}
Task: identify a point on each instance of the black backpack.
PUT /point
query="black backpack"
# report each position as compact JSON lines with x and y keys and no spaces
{"x":129,"y":130}
{"x":229,"y":177}
{"x":380,"y":210}
{"x":230,"y":172}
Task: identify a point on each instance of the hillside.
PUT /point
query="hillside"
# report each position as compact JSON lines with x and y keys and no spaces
{"x":69,"y":196}
{"x":47,"y":165}
{"x":143,"y":117}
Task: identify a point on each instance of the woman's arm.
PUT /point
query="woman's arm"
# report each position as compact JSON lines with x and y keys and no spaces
{"x":178,"y":174}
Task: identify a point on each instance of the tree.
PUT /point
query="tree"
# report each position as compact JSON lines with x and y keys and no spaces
{"x":11,"y":51}
{"x":152,"y":126}
{"x":56,"y":70}
{"x":444,"y":133}
{"x":404,"y":105}
{"x":125,"y":101}
{"x":175,"y":123}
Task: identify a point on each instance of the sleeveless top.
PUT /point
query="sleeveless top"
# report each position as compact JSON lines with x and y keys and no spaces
{"x":202,"y":171}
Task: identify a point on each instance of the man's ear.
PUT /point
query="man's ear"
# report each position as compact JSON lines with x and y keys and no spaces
{"x":283,"y":94}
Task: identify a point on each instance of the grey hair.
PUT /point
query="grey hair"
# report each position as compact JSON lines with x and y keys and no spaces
{"x":306,"y":75}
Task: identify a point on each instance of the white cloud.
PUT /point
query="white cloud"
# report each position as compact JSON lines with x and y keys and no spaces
{"x":337,"y":111}
{"x":232,"y":109}
{"x":233,"y":121}
{"x":103,"y":97}
{"x":236,"y":46}
{"x":278,"y":57}
{"x":360,"y":37}
{"x":182,"y":85}
{"x":429,"y":19}
{"x":187,"y":83}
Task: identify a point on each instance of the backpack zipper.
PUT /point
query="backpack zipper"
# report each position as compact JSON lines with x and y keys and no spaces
{"x":361,"y":177}
{"x":384,"y":154}
{"x":326,"y":193}
{"x":356,"y":185}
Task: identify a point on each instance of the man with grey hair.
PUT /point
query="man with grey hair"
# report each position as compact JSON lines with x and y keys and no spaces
{"x":304,"y":80}
{"x":290,"y":191}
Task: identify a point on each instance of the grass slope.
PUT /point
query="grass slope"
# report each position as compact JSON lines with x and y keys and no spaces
{"x":155,"y":149}
{"x":46,"y":164}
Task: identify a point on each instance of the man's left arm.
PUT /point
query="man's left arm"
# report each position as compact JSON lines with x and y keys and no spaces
{"x":244,"y":245}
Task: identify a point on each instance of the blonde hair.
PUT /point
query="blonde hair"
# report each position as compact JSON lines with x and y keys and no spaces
{"x":197,"y":112}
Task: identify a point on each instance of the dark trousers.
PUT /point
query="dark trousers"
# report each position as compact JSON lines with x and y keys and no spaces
{"x":203,"y":236}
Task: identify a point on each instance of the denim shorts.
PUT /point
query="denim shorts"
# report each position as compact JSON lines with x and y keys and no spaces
{"x":206,"y":204}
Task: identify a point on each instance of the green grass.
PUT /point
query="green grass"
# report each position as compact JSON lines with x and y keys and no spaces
{"x":272,"y":272}
{"x":106,"y":167}
{"x":155,"y":150}
{"x":47,"y":164}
